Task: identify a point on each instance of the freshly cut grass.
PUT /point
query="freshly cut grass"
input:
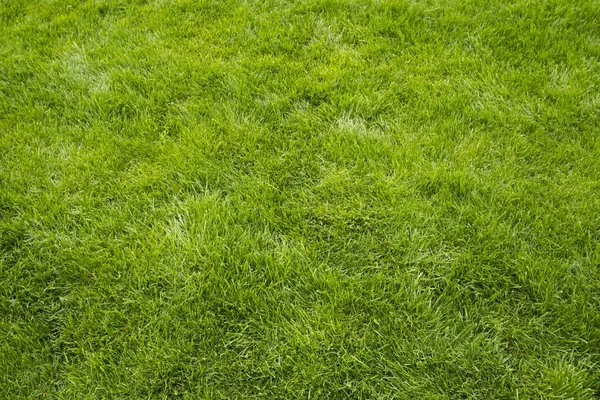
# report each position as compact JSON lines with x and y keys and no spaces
{"x":300,"y":199}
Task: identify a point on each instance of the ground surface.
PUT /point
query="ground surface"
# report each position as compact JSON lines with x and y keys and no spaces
{"x":304,"y":199}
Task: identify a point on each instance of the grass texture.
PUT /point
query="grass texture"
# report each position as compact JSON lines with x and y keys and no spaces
{"x":311,"y":199}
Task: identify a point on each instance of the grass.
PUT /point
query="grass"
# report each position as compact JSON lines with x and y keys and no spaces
{"x":300,"y":199}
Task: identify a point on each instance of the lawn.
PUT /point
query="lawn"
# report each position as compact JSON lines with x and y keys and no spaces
{"x":300,"y":199}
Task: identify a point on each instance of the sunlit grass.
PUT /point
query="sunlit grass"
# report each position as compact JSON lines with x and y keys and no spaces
{"x":307,"y":199}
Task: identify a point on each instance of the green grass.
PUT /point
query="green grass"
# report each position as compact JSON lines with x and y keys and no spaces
{"x":300,"y":199}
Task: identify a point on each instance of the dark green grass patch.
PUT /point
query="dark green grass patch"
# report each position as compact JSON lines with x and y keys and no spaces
{"x":308,"y":199}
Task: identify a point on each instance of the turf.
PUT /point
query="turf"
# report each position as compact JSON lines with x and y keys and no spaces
{"x":300,"y":199}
